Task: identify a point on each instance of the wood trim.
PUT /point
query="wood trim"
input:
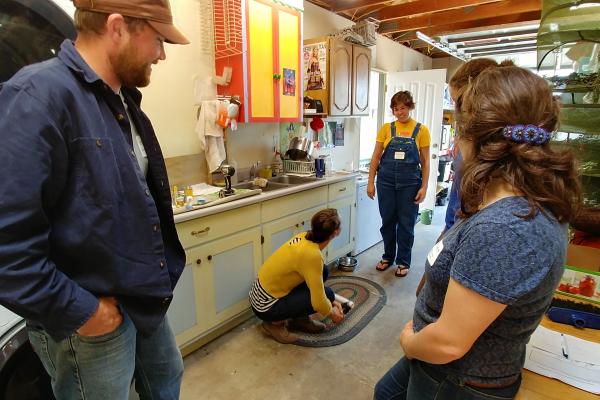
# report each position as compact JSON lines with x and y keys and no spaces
{"x":348,"y":5}
{"x":420,"y":7}
{"x":505,"y":8}
{"x":476,"y":26}
{"x":276,"y":67}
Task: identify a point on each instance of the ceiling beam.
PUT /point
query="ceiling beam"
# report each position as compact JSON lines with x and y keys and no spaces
{"x":475,"y":26}
{"x":495,"y":44}
{"x":497,"y":35}
{"x":347,"y":5}
{"x":421,"y":7}
{"x":472,"y":15}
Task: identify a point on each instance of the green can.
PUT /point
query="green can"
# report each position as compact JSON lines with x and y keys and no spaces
{"x":426,"y":215}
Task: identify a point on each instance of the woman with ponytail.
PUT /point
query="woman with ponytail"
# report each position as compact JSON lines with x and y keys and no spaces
{"x":290,"y":284}
{"x":492,"y":276}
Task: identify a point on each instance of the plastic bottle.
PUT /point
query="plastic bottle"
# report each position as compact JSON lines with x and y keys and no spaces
{"x":277,"y":165}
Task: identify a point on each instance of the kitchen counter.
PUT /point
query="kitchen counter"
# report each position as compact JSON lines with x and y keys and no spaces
{"x":203,"y":212}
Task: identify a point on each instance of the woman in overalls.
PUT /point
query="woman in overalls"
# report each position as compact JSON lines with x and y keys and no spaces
{"x":401,"y":161}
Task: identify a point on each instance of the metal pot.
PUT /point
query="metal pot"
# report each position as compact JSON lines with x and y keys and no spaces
{"x":347,"y":264}
{"x":300,"y":149}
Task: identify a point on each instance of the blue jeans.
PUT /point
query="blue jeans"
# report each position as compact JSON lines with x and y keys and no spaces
{"x":398,"y":216}
{"x":102,"y":367}
{"x":414,"y":380}
{"x":295,"y":304}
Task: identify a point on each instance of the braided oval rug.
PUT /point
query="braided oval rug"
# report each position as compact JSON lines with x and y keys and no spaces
{"x":368,"y":298}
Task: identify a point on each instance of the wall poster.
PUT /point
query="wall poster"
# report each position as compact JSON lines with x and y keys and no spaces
{"x":315,"y":65}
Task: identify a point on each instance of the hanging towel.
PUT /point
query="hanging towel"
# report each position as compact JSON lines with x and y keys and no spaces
{"x":211,"y":134}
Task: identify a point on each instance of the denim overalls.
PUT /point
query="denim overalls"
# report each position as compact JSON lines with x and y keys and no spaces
{"x":398,"y":181}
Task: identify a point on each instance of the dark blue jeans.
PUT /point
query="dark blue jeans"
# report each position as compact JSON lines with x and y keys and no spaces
{"x":414,"y":380}
{"x":296,"y":303}
{"x":398,"y":216}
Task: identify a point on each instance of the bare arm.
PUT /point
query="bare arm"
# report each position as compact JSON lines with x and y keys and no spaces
{"x":465,"y":316}
{"x":375,"y":158}
{"x":424,"y":157}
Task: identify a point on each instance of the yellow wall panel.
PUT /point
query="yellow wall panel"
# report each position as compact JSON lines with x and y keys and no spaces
{"x":260,"y":32}
{"x":289,"y":58}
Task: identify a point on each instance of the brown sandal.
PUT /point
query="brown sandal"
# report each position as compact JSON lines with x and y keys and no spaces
{"x":400,"y":269}
{"x":383,"y":265}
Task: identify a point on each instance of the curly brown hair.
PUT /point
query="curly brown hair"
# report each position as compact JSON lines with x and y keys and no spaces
{"x":323,"y":224}
{"x":403,"y":97}
{"x":546,"y":176}
{"x":471,"y":69}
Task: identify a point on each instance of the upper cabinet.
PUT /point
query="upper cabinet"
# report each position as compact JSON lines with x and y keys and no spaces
{"x":266,"y":72}
{"x":337,"y":74}
{"x":361,"y":73}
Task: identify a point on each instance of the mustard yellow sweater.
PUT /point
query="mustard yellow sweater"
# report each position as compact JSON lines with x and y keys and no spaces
{"x":298,"y":260}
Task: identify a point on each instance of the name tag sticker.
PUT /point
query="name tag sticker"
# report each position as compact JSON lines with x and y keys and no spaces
{"x":435,"y":252}
{"x":399,"y":155}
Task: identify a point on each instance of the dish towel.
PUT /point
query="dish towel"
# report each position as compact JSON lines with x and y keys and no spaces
{"x":211,"y":134}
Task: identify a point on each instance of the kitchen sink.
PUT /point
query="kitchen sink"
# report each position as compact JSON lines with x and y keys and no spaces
{"x":250,"y":185}
{"x":291,"y":180}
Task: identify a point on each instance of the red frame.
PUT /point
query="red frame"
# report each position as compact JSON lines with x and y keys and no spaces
{"x":276,"y":69}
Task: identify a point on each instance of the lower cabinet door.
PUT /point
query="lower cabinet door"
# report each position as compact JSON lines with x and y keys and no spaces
{"x":187,"y":314}
{"x":344,"y":242}
{"x":227,"y":269}
{"x":277,"y":232}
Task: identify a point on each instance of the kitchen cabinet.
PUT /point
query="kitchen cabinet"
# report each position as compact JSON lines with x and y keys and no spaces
{"x":277,"y":232}
{"x":341,"y":78}
{"x":266,"y":74}
{"x":187,"y":314}
{"x":342,"y":196}
{"x":223,"y":253}
{"x":227,"y":268}
{"x":361,"y":75}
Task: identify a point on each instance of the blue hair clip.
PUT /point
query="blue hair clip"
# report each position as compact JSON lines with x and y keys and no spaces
{"x":530,"y":134}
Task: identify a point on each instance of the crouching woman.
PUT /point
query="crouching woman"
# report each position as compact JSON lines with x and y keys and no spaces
{"x":290,"y":284}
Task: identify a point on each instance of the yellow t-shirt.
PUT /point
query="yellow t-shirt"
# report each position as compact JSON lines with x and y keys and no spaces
{"x":404,"y":130}
{"x":298,"y":260}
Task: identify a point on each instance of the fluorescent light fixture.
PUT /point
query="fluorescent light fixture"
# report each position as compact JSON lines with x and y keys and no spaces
{"x":584,"y":5}
{"x":443,"y":47}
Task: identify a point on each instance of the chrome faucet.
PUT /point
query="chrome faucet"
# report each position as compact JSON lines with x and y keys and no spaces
{"x":254,"y":170}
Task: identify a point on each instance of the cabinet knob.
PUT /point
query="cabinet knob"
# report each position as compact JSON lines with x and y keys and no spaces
{"x":200,"y":232}
{"x":302,"y":223}
{"x":209,"y":257}
{"x":297,"y":225}
{"x":343,"y":189}
{"x":276,"y":76}
{"x":199,"y":261}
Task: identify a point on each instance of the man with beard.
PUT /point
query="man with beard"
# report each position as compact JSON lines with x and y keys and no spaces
{"x":89,"y":254}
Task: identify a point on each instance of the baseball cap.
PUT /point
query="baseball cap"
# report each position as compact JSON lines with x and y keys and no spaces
{"x":156,"y":12}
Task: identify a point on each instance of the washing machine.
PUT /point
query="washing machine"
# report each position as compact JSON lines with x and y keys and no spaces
{"x":30,"y":31}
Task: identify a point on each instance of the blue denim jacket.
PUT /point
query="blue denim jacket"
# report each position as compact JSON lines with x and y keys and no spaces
{"x":78,"y":220}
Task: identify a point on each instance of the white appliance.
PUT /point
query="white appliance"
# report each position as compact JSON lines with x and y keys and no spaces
{"x":368,"y":220}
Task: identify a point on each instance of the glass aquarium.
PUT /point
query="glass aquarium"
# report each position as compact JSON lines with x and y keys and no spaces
{"x":569,"y":57}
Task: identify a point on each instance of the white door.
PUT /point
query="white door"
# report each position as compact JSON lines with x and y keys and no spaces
{"x":427,"y":88}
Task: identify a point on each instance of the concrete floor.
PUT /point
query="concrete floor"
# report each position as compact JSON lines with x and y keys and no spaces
{"x":245,"y":364}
